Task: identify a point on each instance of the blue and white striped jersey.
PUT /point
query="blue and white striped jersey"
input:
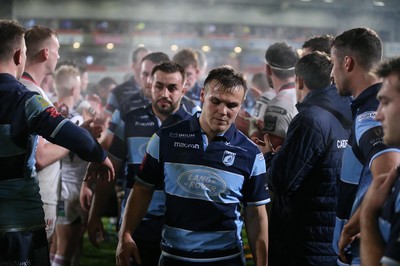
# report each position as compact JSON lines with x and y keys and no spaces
{"x":206,"y":185}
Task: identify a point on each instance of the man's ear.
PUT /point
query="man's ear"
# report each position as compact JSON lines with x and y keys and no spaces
{"x":300,"y":82}
{"x":349,"y":63}
{"x":202,"y":95}
{"x":17,"y":57}
{"x":44,"y":53}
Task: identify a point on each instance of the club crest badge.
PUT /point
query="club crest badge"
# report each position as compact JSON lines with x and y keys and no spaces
{"x":228,"y":158}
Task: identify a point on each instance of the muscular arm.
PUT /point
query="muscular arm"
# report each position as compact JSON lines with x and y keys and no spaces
{"x":101,"y":195}
{"x":372,"y":245}
{"x":380,"y":165}
{"x":256,"y":221}
{"x":136,"y":208}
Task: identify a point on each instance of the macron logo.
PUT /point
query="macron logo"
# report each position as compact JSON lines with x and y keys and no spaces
{"x":186,"y":145}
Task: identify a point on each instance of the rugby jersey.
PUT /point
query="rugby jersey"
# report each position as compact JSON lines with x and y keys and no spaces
{"x":205,"y":185}
{"x":389,"y":225}
{"x":23,"y":114}
{"x":364,"y":145}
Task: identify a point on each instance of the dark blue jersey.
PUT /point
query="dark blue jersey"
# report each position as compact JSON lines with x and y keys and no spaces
{"x":129,"y":147}
{"x":205,"y":185}
{"x":389,"y":224}
{"x":23,"y":116}
{"x":135,"y":101}
{"x":120,"y":94}
{"x":364,"y":145}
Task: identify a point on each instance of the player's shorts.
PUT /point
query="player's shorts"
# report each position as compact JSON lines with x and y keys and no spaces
{"x":24,"y":248}
{"x":50,"y":217}
{"x":69,"y":210}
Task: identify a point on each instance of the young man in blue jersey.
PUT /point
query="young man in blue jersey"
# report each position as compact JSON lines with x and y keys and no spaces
{"x":355,"y":53}
{"x":208,"y":170}
{"x":380,"y":210}
{"x":128,"y":148}
{"x":25,"y":115}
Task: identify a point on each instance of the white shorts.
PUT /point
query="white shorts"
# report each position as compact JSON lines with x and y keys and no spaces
{"x":69,"y":209}
{"x":50,"y":217}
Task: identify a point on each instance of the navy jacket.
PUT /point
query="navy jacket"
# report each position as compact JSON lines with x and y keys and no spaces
{"x":303,"y":177}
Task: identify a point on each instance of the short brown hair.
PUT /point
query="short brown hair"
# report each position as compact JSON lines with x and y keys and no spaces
{"x":11,"y":36}
{"x":35,"y":37}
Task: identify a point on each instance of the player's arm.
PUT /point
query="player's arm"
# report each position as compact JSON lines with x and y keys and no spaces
{"x":103,"y":191}
{"x":256,"y":221}
{"x":372,"y":246}
{"x":135,"y":209}
{"x":48,"y":153}
{"x":382,"y":164}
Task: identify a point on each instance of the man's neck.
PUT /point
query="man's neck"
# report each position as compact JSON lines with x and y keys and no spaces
{"x":36,"y":73}
{"x":160,"y":115}
{"x":363,"y":81}
{"x":8,"y":69}
{"x":68,"y":101}
{"x":279,"y":83}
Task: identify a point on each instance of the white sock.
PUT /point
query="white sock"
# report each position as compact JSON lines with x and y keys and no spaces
{"x":60,"y":261}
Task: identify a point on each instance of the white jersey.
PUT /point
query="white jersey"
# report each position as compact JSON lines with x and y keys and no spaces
{"x":49,"y":177}
{"x":73,"y":168}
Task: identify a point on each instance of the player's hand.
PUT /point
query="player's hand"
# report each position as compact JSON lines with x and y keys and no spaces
{"x":93,"y":127}
{"x":95,"y":230}
{"x":85,"y":196}
{"x":103,"y":171}
{"x":126,"y":249}
{"x":265,"y":145}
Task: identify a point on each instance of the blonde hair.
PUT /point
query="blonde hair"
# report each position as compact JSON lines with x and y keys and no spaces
{"x":65,"y":79}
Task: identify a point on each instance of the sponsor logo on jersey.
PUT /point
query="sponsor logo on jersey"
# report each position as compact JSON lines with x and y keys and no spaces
{"x":186,"y":145}
{"x":366,"y":115}
{"x":144,"y":124}
{"x":201,"y":182}
{"x":228,"y":158}
{"x":233,"y":146}
{"x":181,"y":135}
{"x":277,"y":109}
{"x":42,"y":101}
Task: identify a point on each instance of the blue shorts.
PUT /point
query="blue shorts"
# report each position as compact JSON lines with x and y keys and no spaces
{"x":24,"y":248}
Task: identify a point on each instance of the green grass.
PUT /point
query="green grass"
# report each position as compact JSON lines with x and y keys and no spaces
{"x":105,"y":255}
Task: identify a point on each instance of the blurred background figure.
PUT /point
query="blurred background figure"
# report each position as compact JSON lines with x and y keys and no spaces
{"x":187,"y":58}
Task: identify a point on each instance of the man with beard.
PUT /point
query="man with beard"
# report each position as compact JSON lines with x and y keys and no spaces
{"x":130,"y":147}
{"x":380,"y":210}
{"x":208,"y":171}
{"x":355,"y":53}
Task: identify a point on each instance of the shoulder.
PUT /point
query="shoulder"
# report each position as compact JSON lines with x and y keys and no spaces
{"x":138,"y":112}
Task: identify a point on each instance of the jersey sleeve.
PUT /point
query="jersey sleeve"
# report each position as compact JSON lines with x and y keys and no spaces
{"x":118,"y":147}
{"x":255,"y":189}
{"x":369,"y":137}
{"x":150,"y":171}
{"x":43,"y":119}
